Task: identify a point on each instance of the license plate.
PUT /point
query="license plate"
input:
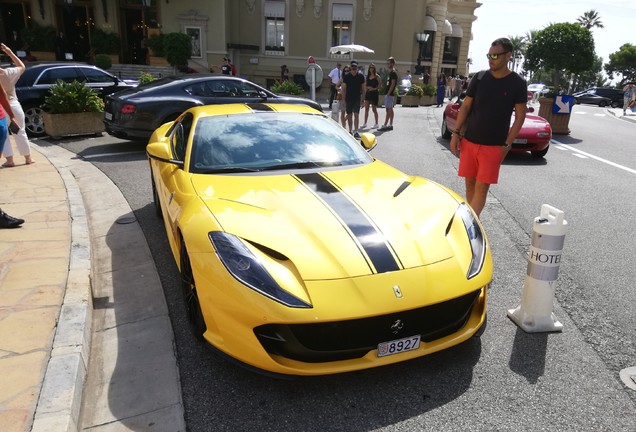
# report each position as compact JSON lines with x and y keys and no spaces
{"x":520,"y":141}
{"x":108,"y":116}
{"x":398,"y":346}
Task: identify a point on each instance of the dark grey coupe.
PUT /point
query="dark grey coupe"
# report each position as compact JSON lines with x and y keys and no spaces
{"x":137,"y":112}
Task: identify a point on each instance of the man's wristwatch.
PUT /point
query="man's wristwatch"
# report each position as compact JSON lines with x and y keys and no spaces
{"x":508,"y":146}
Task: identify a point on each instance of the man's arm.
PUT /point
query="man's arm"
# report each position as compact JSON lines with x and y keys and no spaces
{"x":520,"y":116}
{"x":462,"y":117}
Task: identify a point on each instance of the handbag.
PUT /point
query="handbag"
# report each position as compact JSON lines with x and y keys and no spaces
{"x":632,"y":104}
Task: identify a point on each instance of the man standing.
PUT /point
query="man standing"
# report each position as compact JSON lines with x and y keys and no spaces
{"x":389,"y":102}
{"x":486,"y":110}
{"x":353,"y":87}
{"x":628,"y":96}
{"x":334,"y":76}
{"x":226,"y":68}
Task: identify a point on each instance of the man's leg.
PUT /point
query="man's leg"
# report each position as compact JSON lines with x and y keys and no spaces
{"x":476,"y":194}
{"x":356,"y":120}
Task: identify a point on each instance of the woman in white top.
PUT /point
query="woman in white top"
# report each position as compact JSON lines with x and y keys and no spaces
{"x":8,"y":78}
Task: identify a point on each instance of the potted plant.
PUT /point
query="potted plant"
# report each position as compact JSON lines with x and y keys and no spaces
{"x":40,"y":41}
{"x":73,"y":109}
{"x":178,"y":48}
{"x":287,"y":87}
{"x":428,"y":98}
{"x":558,"y":122}
{"x":156,"y":54}
{"x":412,"y":96}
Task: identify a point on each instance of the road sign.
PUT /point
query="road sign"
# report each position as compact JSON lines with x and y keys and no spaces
{"x":314,"y":72}
{"x":563,"y":104}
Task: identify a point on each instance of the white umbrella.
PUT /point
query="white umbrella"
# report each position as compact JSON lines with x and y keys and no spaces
{"x":351,"y":48}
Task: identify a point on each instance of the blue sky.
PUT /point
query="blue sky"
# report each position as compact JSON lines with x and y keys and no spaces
{"x":503,"y":18}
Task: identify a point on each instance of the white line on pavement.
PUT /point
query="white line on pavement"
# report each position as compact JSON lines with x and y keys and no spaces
{"x":605,"y":161}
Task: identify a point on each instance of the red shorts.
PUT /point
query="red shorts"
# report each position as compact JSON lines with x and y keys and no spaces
{"x":480,"y":161}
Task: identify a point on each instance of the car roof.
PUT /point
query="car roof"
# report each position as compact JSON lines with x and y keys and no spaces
{"x":252,"y":108}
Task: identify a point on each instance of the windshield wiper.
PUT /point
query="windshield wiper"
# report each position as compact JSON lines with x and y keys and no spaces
{"x":304,"y":164}
{"x":229,"y":169}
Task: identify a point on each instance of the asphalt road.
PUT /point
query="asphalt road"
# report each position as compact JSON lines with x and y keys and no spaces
{"x":507,"y":380}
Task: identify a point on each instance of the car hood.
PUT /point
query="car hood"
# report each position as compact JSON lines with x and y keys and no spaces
{"x":336,"y":224}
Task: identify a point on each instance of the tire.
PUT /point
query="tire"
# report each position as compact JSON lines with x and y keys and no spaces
{"x":540,"y":153}
{"x":190,"y":297}
{"x":155,"y":198}
{"x":446,"y":134}
{"x":602,"y":104}
{"x":33,"y":121}
{"x":615,"y":104}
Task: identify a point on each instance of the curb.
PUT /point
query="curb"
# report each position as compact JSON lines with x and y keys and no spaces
{"x":627,"y":118}
{"x":59,"y":404}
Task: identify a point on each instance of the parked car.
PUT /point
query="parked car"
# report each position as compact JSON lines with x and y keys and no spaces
{"x":589,"y":97}
{"x":137,"y":112}
{"x":615,"y":95}
{"x":534,"y":136}
{"x":33,"y":87}
{"x":403,"y":87}
{"x":538,"y":88}
{"x":300,"y":254}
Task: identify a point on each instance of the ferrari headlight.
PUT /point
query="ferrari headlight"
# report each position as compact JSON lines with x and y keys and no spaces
{"x":476,"y":239}
{"x":247,"y":269}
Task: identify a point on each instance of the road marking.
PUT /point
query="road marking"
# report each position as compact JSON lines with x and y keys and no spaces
{"x":100,"y":155}
{"x":605,"y":161}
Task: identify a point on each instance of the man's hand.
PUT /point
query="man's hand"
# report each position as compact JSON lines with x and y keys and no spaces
{"x":454,"y":143}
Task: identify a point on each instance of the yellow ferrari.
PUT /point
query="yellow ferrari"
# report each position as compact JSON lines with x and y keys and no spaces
{"x":300,"y":254}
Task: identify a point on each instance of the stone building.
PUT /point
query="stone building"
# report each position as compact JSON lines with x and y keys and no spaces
{"x":261,"y":35}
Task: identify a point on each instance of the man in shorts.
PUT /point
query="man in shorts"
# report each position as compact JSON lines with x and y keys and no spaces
{"x":353,"y":87}
{"x":490,"y":99}
{"x":389,"y":99}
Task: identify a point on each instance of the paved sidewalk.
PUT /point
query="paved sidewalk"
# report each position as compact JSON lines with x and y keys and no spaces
{"x":76,"y":283}
{"x":629,"y":116}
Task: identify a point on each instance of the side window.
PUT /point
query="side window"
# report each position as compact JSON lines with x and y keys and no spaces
{"x":248,"y":90}
{"x":219,"y":88}
{"x":66,"y":74}
{"x":181,"y":135}
{"x":198,"y":89}
{"x":96,"y":76}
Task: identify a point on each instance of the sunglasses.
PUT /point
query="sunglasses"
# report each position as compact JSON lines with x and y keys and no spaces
{"x":496,"y":55}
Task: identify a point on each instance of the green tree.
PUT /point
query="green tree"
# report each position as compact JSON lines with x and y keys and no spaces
{"x":564,"y":48}
{"x":623,"y":62}
{"x":590,"y":19}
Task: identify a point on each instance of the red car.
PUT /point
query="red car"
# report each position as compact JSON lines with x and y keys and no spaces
{"x":534,"y":136}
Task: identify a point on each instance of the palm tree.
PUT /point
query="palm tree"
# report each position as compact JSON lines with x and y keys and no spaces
{"x":590,"y":19}
{"x":518,"y":48}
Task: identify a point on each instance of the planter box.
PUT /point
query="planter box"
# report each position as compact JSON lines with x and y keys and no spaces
{"x":158,"y":61}
{"x":410,"y":101}
{"x":558,"y":122}
{"x":43,"y":55}
{"x":427,"y":100}
{"x":85,"y":123}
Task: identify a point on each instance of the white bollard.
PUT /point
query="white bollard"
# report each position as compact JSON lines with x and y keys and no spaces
{"x":535,"y":312}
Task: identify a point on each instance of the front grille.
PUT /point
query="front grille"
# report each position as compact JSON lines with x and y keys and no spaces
{"x":343,"y":340}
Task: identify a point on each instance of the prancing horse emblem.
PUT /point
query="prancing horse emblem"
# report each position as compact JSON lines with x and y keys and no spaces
{"x":397,"y":291}
{"x":397,"y":326}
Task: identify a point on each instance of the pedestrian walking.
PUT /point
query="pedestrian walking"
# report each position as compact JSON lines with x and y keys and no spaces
{"x":334,"y":76}
{"x":486,"y":111}
{"x":8,"y":77}
{"x":354,"y":87}
{"x":6,"y":118}
{"x":342,"y":103}
{"x":389,"y":98}
{"x":628,"y":97}
{"x":372,"y":96}
{"x":441,"y":89}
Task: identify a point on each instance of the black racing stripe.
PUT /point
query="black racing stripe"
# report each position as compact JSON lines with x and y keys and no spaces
{"x":260,"y":107}
{"x":369,"y":237}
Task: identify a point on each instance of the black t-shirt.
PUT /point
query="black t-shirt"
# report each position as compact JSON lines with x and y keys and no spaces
{"x":354,"y":86}
{"x":226,"y":69}
{"x":391,"y":77}
{"x":494,"y":101}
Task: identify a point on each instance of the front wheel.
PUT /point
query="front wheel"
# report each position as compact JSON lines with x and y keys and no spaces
{"x":602,"y":104}
{"x":190,"y":297}
{"x":446,"y":134}
{"x":33,"y":121}
{"x":540,"y":153}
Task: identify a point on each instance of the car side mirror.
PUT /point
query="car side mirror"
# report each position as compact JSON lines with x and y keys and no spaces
{"x":161,"y":152}
{"x":368,"y":141}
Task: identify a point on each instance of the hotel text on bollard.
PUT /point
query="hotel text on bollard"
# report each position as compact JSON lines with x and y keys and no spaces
{"x":535,"y":312}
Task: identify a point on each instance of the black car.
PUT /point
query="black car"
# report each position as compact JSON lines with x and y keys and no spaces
{"x":614,"y":95}
{"x":587,"y":97}
{"x":33,"y":87}
{"x":136,"y":113}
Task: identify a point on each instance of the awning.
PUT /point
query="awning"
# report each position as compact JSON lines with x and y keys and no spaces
{"x":448,"y":28}
{"x":457,"y":32}
{"x":429,"y":24}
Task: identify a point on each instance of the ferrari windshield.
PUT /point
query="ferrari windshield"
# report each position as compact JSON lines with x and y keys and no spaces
{"x":271,"y":141}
